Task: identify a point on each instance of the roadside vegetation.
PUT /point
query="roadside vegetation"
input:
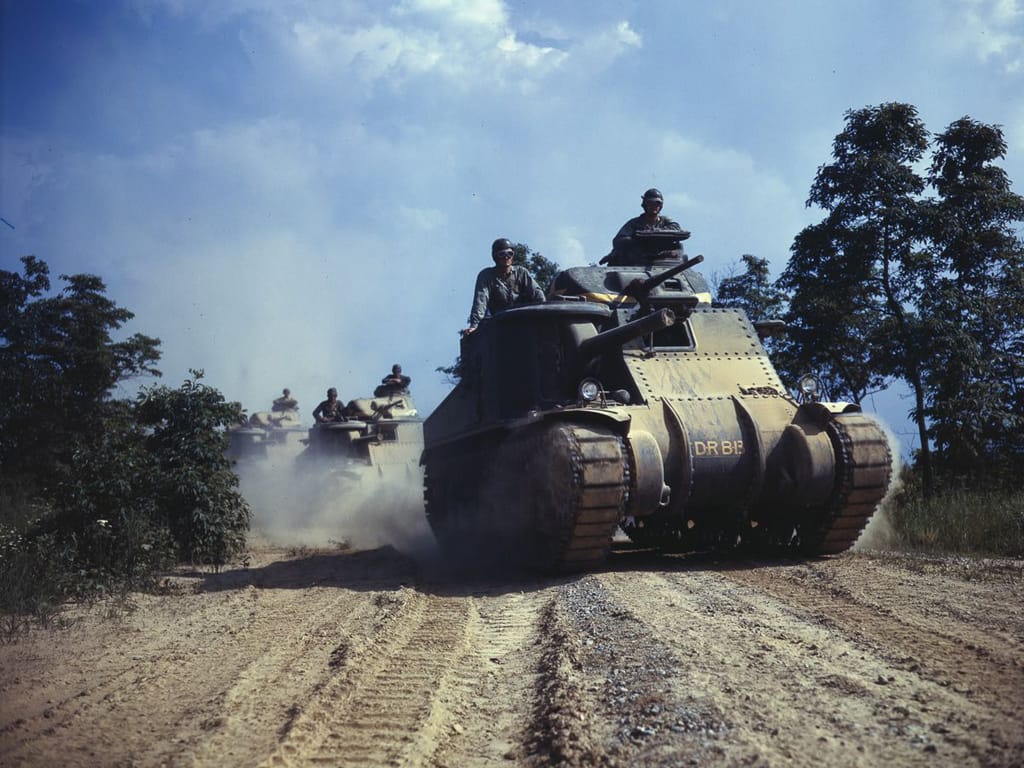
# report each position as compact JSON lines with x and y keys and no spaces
{"x":915,"y":279}
{"x":98,"y":495}
{"x":909,"y":278}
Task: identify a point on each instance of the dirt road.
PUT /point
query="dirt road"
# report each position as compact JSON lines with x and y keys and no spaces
{"x":370,"y":658}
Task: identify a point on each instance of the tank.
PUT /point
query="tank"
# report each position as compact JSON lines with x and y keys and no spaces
{"x":627,"y":400}
{"x":257,"y":435}
{"x":379,"y":432}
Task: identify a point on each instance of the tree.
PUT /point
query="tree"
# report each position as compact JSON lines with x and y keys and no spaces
{"x":58,"y":365}
{"x":854,"y":278}
{"x":542,"y":268}
{"x":752,"y":290}
{"x":974,"y":307}
{"x":196,"y":491}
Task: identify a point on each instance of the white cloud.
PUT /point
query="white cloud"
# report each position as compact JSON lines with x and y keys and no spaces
{"x":473,"y":13}
{"x":992,"y":29}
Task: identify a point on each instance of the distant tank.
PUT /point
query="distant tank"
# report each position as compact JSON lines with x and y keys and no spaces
{"x":385,"y":430}
{"x":628,"y":401}
{"x":259,"y":433}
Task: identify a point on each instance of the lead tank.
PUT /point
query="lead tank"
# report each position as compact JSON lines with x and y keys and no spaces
{"x":628,"y":400}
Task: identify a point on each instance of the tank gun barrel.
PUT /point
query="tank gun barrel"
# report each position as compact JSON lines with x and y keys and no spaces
{"x":640,"y":288}
{"x":656,"y":321}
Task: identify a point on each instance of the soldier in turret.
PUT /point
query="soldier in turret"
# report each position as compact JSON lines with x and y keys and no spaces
{"x":394,"y":383}
{"x":502,"y":286}
{"x":330,"y":409}
{"x":625,"y":250}
{"x":285,"y":402}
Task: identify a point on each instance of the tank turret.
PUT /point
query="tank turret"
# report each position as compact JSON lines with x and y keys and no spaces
{"x":628,"y":400}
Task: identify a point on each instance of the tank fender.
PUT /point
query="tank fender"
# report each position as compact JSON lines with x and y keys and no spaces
{"x":650,"y":493}
{"x":823,"y":412}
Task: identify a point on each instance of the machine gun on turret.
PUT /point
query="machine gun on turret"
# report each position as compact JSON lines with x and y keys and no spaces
{"x":383,"y":410}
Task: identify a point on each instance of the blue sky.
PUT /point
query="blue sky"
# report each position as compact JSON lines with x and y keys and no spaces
{"x":301,"y":193}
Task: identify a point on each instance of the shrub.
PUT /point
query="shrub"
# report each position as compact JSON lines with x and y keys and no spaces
{"x":194,"y":488}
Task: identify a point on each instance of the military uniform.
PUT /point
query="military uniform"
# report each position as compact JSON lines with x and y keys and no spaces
{"x":328,"y":411}
{"x":495,"y":292}
{"x":626,"y":251}
{"x":285,"y":403}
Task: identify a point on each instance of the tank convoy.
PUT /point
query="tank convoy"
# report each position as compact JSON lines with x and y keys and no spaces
{"x":383,"y":432}
{"x":374,"y":432}
{"x":628,"y":400}
{"x":256,"y":435}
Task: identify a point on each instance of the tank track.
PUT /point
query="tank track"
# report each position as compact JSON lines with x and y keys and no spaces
{"x":550,"y":496}
{"x":864,"y":471}
{"x":600,"y":473}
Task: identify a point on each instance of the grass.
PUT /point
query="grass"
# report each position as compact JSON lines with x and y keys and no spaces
{"x":963,"y":522}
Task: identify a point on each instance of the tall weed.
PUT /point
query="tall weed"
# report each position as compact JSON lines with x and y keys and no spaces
{"x":963,"y":521}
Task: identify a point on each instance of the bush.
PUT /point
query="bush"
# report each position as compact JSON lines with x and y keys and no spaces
{"x":151,"y":487}
{"x":194,"y":488}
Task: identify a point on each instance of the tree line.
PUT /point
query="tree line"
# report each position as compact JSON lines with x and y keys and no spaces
{"x":915,"y":274}
{"x":96,"y":489}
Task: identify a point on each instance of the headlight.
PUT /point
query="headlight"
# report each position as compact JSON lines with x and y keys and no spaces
{"x":809,"y":385}
{"x":590,"y":390}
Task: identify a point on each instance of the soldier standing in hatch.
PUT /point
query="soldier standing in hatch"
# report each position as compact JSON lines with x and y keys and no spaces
{"x":502,"y":286}
{"x":624,"y":249}
{"x":329,"y":409}
{"x":285,"y":402}
{"x":396,"y":381}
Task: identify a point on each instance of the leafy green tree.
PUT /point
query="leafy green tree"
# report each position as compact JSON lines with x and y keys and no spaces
{"x":58,"y":365}
{"x":974,"y":307}
{"x":105,"y":514}
{"x":854,"y":278}
{"x":538,"y":265}
{"x":96,"y":490}
{"x":196,"y":491}
{"x":752,"y":291}
{"x":828,"y":320}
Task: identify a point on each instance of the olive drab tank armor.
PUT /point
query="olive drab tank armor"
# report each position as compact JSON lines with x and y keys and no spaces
{"x":627,"y":400}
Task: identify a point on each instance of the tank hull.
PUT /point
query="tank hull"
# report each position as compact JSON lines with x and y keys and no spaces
{"x":692,"y":441}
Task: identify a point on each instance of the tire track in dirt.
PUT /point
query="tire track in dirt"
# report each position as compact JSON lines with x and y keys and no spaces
{"x":931,"y":635}
{"x":148,"y":696}
{"x":605,"y":692}
{"x":175,"y":694}
{"x":489,"y":693}
{"x":287,"y":670}
{"x":383,"y":708}
{"x":793,"y":687}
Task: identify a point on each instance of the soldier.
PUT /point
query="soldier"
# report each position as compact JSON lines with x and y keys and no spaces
{"x":502,"y":286}
{"x":285,"y":402}
{"x":624,"y":249}
{"x":330,"y":409}
{"x":395,"y":381}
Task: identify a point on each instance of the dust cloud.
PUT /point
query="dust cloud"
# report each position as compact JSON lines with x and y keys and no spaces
{"x":298,"y":500}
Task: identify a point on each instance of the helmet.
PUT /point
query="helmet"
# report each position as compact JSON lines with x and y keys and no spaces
{"x":653,"y":194}
{"x":332,"y":391}
{"x":501,"y":244}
